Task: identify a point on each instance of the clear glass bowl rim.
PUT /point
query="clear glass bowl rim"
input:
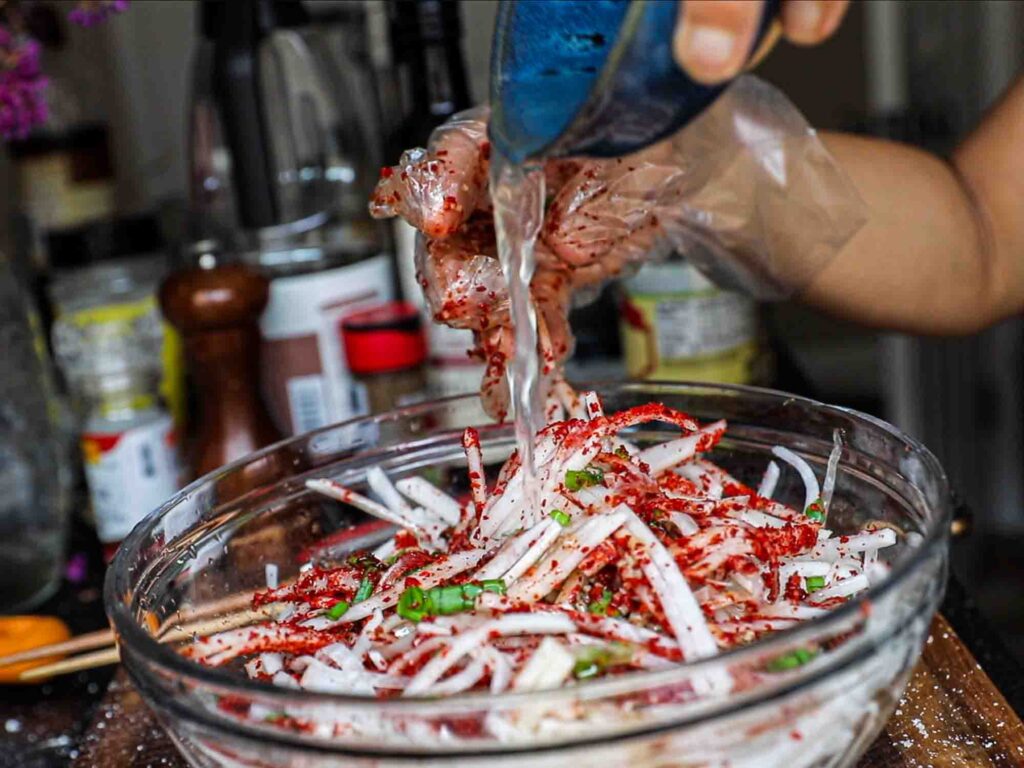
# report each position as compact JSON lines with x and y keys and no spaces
{"x":174,"y":665}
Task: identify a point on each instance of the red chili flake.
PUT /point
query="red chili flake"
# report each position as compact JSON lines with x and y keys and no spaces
{"x":386,"y":172}
{"x":450,"y":203}
{"x":442,"y":153}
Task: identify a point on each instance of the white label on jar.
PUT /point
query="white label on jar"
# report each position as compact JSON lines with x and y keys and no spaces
{"x":307,"y":402}
{"x":701,"y":325}
{"x":130,"y":474}
{"x":302,"y":339}
{"x":448,"y":346}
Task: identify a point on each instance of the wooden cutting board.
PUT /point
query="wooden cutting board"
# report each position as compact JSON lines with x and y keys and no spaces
{"x":952,"y":715}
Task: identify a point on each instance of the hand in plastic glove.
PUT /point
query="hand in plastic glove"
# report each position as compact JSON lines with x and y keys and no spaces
{"x":746,"y":191}
{"x":593,"y":228}
{"x":713,"y":37}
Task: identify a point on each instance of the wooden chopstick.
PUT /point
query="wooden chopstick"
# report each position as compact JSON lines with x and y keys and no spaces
{"x":89,"y":642}
{"x":74,"y":664}
{"x":112,"y":654}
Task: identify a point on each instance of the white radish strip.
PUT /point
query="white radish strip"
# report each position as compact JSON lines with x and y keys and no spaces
{"x":758,"y":519}
{"x":677,"y":601}
{"x":512,"y":550}
{"x":844,"y":588}
{"x":381,"y":485}
{"x":664,"y":456}
{"x":537,"y":549}
{"x":755,"y":625}
{"x":811,"y":490}
{"x":804,"y":569}
{"x":553,"y":409}
{"x":570,"y":400}
{"x":591,"y":405}
{"x":831,"y":469}
{"x":431,"y":498}
{"x":430,"y":576}
{"x":463,"y":680}
{"x":548,"y":667}
{"x":562,"y":561}
{"x":268,"y":664}
{"x":413,"y":655}
{"x":569,"y":587}
{"x":501,"y":669}
{"x":686,"y":524}
{"x":320,"y":677}
{"x":844,"y":545}
{"x":509,"y":624}
{"x":876,"y":572}
{"x":339,"y":492}
{"x":284,"y":680}
{"x":385,"y":550}
{"x":707,"y":481}
{"x":475,"y":465}
{"x":271,"y":574}
{"x":618,"y":629}
{"x":768,"y":482}
{"x":786,"y":610}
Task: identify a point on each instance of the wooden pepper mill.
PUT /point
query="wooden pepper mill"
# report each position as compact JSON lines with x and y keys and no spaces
{"x":216,"y":308}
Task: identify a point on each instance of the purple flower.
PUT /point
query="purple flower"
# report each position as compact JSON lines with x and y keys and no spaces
{"x":89,"y":13}
{"x":22,"y":86}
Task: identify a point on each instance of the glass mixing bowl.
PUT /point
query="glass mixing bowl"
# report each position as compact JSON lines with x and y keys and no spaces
{"x":199,"y":557}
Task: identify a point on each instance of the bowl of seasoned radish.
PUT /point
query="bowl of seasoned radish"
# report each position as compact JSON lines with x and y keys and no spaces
{"x":685,"y":575}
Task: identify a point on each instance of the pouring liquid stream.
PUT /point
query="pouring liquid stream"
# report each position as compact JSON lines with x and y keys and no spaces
{"x":517,"y":192}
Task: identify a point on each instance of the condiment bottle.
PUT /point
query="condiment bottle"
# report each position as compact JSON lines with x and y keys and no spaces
{"x":216,"y":307}
{"x":386,"y":351}
{"x":676,"y":325}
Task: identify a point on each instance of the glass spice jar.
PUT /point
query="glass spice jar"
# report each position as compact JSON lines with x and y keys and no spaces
{"x":386,"y":351}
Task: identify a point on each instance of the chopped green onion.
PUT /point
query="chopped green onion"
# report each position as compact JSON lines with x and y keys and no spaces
{"x":816,"y":511}
{"x":364,"y":591}
{"x":415,"y":604}
{"x":622,"y":453}
{"x":337,"y":610}
{"x":592,"y":660}
{"x":790,"y":660}
{"x":412,"y":604}
{"x":560,"y":517}
{"x":583,"y":478}
{"x":814,"y":583}
{"x":600,"y":607}
{"x":493,"y":585}
{"x":444,"y":601}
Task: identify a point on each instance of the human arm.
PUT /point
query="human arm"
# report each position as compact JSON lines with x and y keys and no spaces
{"x":942,"y":251}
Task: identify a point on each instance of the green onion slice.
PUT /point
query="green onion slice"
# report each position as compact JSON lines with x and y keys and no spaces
{"x":337,"y":610}
{"x":560,"y":517}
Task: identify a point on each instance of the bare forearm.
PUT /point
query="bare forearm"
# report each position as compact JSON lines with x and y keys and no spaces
{"x":943,"y":249}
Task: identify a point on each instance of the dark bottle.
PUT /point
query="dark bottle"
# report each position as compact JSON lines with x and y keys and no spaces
{"x":426,"y":50}
{"x":426,"y":45}
{"x":216,"y":308}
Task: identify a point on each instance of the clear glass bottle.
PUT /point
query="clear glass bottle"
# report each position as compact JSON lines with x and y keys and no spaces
{"x":109,"y":340}
{"x":33,"y":469}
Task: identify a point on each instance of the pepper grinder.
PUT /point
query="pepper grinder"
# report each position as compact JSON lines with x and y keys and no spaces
{"x":216,"y":307}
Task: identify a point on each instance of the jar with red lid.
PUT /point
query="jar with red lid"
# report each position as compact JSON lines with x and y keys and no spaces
{"x":386,"y":350}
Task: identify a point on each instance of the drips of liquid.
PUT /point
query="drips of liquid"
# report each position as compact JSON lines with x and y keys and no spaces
{"x":517,"y":192}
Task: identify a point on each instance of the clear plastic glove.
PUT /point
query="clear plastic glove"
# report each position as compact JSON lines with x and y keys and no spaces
{"x":746,"y":190}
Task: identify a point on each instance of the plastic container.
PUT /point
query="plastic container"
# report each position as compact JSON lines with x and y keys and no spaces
{"x":580,"y":77}
{"x":826,"y":712}
{"x":386,"y":350}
